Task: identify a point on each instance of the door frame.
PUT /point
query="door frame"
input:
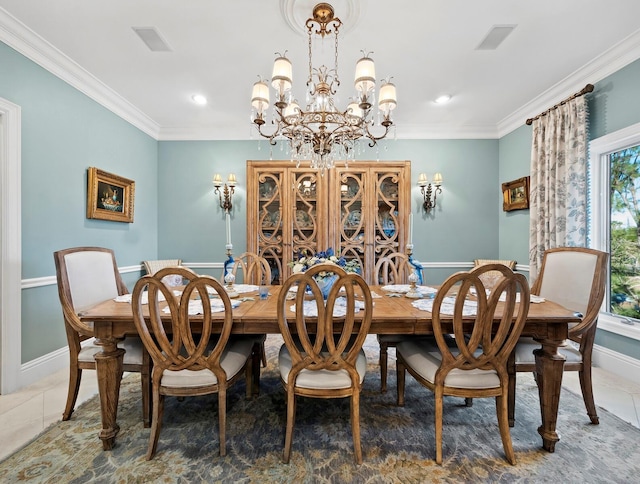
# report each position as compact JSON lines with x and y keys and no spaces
{"x":10,"y":246}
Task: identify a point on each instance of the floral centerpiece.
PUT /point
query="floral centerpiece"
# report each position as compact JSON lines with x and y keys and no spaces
{"x":324,"y":279}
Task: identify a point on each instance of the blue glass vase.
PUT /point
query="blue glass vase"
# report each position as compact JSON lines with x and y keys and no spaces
{"x":326,"y":283}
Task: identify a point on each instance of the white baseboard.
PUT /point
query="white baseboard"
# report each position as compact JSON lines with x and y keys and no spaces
{"x":34,"y":370}
{"x":617,"y":363}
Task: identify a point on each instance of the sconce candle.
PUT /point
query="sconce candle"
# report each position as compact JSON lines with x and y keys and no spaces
{"x":411,"y":229}
{"x":428,"y":190}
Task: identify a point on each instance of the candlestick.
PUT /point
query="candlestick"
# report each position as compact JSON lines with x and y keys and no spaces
{"x":228,"y":228}
{"x":411,"y":229}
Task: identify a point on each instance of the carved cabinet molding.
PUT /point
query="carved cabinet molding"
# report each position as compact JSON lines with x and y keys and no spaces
{"x":360,"y":210}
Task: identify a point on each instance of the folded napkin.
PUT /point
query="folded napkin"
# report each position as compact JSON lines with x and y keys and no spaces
{"x":144,"y":299}
{"x":195,"y":306}
{"x":447,"y":306}
{"x":340,"y":309}
{"x":242,"y":288}
{"x":532,"y":297}
{"x":404,"y":288}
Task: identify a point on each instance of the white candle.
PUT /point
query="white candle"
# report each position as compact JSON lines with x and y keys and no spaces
{"x":411,"y":229}
{"x":228,"y":228}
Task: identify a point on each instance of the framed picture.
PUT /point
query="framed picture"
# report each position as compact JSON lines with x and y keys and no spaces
{"x":109,"y":196}
{"x":515,"y":194}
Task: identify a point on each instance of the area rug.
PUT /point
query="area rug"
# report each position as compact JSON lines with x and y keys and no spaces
{"x":397,"y":443}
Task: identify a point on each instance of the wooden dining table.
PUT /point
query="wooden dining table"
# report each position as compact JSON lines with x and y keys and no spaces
{"x":547,"y":322}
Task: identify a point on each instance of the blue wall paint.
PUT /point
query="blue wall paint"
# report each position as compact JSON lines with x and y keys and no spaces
{"x":176,"y":215}
{"x":514,"y":163}
{"x":63,"y":133}
{"x":613,"y":105}
{"x":463,"y":227}
{"x":615,"y":101}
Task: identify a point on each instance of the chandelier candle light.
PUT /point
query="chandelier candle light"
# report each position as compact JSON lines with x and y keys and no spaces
{"x":320,"y":132}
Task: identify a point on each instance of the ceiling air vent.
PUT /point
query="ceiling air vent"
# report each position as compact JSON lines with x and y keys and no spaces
{"x":152,"y":39}
{"x":495,"y":37}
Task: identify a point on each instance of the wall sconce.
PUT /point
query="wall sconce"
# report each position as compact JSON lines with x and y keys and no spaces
{"x":227,"y":192}
{"x":427,"y":190}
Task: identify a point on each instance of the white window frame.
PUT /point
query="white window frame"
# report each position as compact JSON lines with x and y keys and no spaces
{"x":599,"y":151}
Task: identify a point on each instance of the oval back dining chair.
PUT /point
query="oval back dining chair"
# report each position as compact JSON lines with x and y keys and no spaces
{"x":486,"y":328}
{"x":87,"y":276}
{"x":254,"y":269}
{"x":188,"y":359}
{"x":490,"y":278}
{"x":323,"y":357}
{"x":393,"y":268}
{"x":574,"y":277}
{"x":250,"y":268}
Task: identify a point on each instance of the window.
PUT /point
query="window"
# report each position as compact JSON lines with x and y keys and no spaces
{"x":614,"y":214}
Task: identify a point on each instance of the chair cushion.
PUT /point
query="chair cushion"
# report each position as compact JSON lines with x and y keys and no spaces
{"x":525,"y":347}
{"x":425,"y":358}
{"x":233,"y":358}
{"x":132,"y":345}
{"x":321,"y":379}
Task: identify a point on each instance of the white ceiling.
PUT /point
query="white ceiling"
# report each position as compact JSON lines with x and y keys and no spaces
{"x":428,"y":46}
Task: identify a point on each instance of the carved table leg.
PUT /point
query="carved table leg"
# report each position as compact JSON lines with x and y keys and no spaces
{"x":549,"y":369}
{"x":109,"y":369}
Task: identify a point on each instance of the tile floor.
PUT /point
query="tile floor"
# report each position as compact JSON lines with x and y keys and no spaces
{"x":27,"y":412}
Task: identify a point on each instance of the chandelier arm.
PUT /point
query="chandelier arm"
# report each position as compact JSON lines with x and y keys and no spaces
{"x":374,"y":139}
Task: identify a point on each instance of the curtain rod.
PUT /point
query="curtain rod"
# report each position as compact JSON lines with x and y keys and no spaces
{"x":588,"y":88}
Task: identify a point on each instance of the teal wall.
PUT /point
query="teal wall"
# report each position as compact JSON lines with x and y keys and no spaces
{"x":176,"y":214}
{"x":463,"y":227}
{"x":63,"y":133}
{"x":513,"y":163}
{"x":613,"y":105}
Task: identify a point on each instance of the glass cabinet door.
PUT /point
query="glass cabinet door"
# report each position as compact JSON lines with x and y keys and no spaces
{"x":387,"y":217}
{"x":270,"y":222}
{"x":352,"y":216}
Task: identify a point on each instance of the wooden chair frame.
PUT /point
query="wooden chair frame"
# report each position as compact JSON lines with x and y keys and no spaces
{"x":394,"y":268}
{"x":182,"y":349}
{"x":78,"y":331}
{"x":324,"y":344}
{"x":482,"y":343}
{"x":583,"y":333}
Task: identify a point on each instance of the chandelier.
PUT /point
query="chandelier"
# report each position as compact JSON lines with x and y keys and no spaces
{"x":321,"y":132}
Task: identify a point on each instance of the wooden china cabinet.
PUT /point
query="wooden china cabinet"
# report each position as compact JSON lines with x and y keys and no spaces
{"x":360,"y":210}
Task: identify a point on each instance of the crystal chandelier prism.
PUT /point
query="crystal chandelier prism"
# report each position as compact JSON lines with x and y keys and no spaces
{"x":320,"y":132}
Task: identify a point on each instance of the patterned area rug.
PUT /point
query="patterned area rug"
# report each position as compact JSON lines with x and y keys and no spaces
{"x":398,"y":443}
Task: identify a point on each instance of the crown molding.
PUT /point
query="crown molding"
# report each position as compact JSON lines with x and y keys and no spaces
{"x":25,"y":41}
{"x":612,"y":60}
{"x":19,"y":37}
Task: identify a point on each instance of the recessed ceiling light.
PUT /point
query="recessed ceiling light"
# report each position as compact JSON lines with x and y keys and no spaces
{"x":445,"y":98}
{"x":199,"y":99}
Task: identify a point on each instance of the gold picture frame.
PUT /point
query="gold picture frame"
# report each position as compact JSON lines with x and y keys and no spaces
{"x":515,"y":194}
{"x":109,"y":196}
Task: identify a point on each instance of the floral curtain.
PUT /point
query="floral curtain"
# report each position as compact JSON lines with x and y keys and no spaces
{"x":558,"y":189}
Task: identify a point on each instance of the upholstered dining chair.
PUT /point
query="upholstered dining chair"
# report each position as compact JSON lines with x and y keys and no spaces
{"x":153,"y":266}
{"x":394,"y":268}
{"x":324,"y":358}
{"x":484,"y":338}
{"x":254,"y":269}
{"x":87,"y":276}
{"x":186,"y":363}
{"x":574,"y":277}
